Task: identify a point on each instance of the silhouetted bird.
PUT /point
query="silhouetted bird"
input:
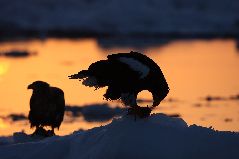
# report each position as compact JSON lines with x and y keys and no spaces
{"x":127,"y":74}
{"x":47,"y":106}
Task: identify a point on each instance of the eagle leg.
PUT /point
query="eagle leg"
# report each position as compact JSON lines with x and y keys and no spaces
{"x":40,"y":131}
{"x":142,"y":112}
{"x":51,"y":132}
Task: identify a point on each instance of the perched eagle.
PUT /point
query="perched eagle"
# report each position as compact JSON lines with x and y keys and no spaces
{"x":127,"y":74}
{"x":47,"y":106}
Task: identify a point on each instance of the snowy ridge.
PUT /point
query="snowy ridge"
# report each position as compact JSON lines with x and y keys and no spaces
{"x":121,"y":16}
{"x":159,"y":136}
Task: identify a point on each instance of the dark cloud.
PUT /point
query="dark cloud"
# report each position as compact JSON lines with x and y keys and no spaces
{"x":174,"y":115}
{"x":15,"y":117}
{"x":235,"y":97}
{"x":228,"y":119}
{"x":74,"y":111}
{"x":220,"y":98}
{"x":94,"y":112}
{"x":16,"y":54}
{"x":91,"y":113}
{"x":145,"y":101}
{"x":132,"y":42}
{"x":214,"y":98}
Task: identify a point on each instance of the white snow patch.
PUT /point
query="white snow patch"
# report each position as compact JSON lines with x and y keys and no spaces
{"x":137,"y":66}
{"x":158,"y":136}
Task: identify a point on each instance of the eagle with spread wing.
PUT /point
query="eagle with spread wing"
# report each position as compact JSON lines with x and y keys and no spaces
{"x":127,"y":74}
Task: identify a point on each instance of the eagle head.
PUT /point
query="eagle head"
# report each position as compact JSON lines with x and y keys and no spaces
{"x":38,"y":85}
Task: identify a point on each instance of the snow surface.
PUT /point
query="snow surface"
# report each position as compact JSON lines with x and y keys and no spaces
{"x":121,"y":16}
{"x":158,"y":136}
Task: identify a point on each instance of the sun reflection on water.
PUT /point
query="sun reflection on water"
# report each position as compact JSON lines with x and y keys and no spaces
{"x":193,"y":69}
{"x":4,"y":66}
{"x":2,"y":124}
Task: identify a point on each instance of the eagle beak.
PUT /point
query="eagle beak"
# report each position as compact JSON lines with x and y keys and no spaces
{"x":30,"y":86}
{"x":156,"y":100}
{"x":80,"y":75}
{"x":159,"y":96}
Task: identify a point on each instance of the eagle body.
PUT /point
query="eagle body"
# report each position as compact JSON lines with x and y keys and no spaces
{"x":47,"y":105}
{"x":126,"y":74}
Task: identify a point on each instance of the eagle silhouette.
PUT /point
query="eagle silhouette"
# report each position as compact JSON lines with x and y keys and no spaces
{"x":47,"y":106}
{"x":127,"y":74}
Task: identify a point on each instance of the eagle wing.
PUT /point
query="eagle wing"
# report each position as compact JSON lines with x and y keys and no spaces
{"x":56,"y":106}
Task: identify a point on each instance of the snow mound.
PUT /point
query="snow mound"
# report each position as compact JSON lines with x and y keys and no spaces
{"x":158,"y":136}
{"x":6,"y":140}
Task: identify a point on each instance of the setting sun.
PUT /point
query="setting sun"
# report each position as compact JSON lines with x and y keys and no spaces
{"x":3,"y":67}
{"x":2,"y":125}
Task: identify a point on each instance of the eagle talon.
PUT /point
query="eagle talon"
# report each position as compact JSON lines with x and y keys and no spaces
{"x":40,"y":131}
{"x":50,"y":133}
